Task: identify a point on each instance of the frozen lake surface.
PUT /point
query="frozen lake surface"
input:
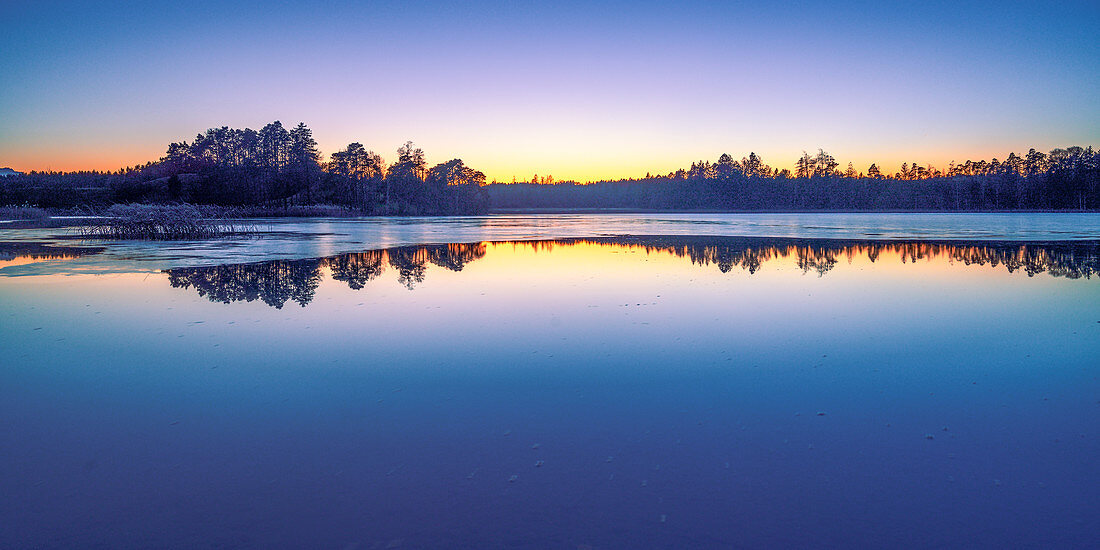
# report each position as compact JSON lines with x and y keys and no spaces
{"x":559,"y":381}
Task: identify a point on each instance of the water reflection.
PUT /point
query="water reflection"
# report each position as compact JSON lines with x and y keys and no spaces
{"x":1073,"y":259}
{"x":411,"y":261}
{"x":273,"y":282}
{"x":279,"y":281}
{"x":32,"y":250}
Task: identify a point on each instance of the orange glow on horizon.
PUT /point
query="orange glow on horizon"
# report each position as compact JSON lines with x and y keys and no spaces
{"x":61,"y":158}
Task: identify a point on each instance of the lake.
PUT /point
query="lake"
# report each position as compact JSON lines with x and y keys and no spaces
{"x":557,"y":381}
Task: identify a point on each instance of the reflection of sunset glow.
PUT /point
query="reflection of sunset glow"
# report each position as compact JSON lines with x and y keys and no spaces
{"x":823,"y":257}
{"x":281,"y":281}
{"x":13,"y":254}
{"x":19,"y":260}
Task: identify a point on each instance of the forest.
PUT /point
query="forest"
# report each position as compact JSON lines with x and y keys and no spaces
{"x":274,"y":170}
{"x":1064,"y":179}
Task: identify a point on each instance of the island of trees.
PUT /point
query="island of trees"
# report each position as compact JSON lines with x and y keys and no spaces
{"x":276,"y":170}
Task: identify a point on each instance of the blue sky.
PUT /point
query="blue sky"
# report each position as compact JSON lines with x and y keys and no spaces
{"x":570,"y":89}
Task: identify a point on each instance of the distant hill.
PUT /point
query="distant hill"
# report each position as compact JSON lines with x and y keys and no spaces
{"x":5,"y":172}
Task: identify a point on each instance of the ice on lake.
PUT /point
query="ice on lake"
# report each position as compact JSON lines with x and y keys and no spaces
{"x":670,"y":381}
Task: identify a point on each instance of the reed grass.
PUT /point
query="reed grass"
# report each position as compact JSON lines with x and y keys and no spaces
{"x":292,"y":211}
{"x":159,"y":223}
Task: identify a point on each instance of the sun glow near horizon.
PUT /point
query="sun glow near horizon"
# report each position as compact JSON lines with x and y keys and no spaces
{"x":523,"y":166}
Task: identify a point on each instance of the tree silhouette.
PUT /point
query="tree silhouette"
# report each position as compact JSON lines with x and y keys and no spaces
{"x":276,"y":168}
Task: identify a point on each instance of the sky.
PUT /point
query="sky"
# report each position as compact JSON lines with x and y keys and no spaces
{"x":577,"y":90}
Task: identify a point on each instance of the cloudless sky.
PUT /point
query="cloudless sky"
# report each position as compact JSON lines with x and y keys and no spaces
{"x":575,"y":89}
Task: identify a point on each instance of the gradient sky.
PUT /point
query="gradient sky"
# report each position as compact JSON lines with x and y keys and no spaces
{"x":573,"y":89}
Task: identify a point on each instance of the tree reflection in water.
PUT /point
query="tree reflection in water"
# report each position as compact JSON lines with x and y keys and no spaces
{"x":273,"y":282}
{"x":278,"y":281}
{"x":1071,"y":259}
{"x":17,"y":250}
{"x":357,"y":269}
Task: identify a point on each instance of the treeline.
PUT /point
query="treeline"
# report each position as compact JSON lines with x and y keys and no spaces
{"x":1064,"y":179}
{"x":272,"y":167}
{"x":280,"y":168}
